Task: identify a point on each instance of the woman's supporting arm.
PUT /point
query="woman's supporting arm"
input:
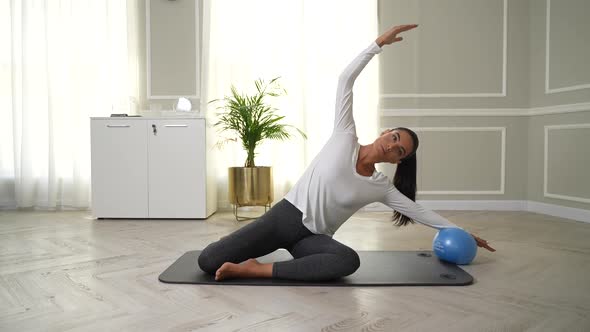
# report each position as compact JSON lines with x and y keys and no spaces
{"x":397,"y":201}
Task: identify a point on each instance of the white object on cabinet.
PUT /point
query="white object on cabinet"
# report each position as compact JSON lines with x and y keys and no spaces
{"x":151,"y":168}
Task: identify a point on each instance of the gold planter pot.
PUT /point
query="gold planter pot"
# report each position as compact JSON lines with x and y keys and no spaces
{"x":250,"y":186}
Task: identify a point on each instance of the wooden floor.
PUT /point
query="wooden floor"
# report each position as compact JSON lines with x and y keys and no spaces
{"x":64,"y":271}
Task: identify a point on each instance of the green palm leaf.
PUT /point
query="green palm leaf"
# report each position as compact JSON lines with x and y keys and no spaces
{"x":251,"y":119}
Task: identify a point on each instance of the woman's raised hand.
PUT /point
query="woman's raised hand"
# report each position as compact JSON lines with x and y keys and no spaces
{"x":390,"y":36}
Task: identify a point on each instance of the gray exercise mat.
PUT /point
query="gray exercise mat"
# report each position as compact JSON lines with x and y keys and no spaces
{"x":378,"y":268}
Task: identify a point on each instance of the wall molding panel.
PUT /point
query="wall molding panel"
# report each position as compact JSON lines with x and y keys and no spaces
{"x":155,"y":95}
{"x":469,"y":95}
{"x":546,"y":192}
{"x":548,"y":56}
{"x":501,"y":130}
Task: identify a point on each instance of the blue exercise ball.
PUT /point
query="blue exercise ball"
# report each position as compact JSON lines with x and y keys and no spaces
{"x":454,"y":245}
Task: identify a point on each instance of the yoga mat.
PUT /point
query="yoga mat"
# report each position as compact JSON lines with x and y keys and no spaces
{"x":378,"y":268}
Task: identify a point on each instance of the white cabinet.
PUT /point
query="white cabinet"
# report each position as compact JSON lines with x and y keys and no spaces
{"x":119,"y":169}
{"x":151,"y":168}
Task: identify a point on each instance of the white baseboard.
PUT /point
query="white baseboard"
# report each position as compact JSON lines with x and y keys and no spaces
{"x":489,"y":205}
{"x":8,"y":205}
{"x":497,"y":205}
{"x":223,"y":205}
{"x":457,"y":205}
{"x":466,"y":205}
{"x":559,"y":211}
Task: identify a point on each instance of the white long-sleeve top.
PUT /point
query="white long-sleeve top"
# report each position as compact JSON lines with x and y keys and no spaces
{"x":331,"y":190}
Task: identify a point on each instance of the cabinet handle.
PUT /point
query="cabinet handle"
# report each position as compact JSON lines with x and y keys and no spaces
{"x":154,"y":129}
{"x":118,"y":126}
{"x":175,"y":126}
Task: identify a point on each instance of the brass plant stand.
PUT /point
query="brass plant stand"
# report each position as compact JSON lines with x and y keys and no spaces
{"x":239,"y":218}
{"x":250,"y":186}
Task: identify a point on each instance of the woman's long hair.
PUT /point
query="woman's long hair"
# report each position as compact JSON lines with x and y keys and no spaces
{"x":405,"y":178}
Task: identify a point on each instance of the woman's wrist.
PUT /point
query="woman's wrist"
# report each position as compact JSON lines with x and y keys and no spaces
{"x":379,"y":41}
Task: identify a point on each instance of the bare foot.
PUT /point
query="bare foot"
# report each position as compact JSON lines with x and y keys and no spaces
{"x":248,"y":269}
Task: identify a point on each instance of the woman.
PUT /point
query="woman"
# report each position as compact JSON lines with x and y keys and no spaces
{"x":338,"y":182}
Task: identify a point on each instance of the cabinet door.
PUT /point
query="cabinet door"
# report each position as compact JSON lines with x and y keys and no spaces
{"x":177,"y":178}
{"x":119,"y":168}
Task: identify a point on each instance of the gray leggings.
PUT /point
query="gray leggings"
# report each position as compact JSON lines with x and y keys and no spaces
{"x":316,"y":256}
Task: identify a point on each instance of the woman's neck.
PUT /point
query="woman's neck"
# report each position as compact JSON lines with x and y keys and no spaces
{"x":365,"y":164}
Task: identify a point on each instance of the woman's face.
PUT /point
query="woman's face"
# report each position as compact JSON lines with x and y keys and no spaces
{"x":394,"y":145}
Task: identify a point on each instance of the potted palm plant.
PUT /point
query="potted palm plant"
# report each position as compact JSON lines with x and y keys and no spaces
{"x":252,"y":120}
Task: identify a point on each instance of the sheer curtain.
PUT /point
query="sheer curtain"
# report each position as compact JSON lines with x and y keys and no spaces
{"x":307,"y":43}
{"x":60,"y":63}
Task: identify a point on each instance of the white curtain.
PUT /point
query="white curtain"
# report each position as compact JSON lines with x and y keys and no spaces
{"x":307,"y":43}
{"x":60,"y":63}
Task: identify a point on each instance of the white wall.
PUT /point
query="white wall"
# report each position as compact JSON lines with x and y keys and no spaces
{"x":474,"y":74}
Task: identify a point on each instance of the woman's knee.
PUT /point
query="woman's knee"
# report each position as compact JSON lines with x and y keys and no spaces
{"x":352,"y":262}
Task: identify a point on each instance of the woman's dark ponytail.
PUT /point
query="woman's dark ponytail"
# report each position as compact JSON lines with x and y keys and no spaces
{"x":405,"y":179}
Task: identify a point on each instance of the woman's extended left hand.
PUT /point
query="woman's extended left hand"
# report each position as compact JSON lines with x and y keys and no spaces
{"x":483,"y":243}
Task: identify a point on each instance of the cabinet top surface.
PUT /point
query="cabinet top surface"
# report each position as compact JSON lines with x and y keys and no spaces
{"x":127,"y":118}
